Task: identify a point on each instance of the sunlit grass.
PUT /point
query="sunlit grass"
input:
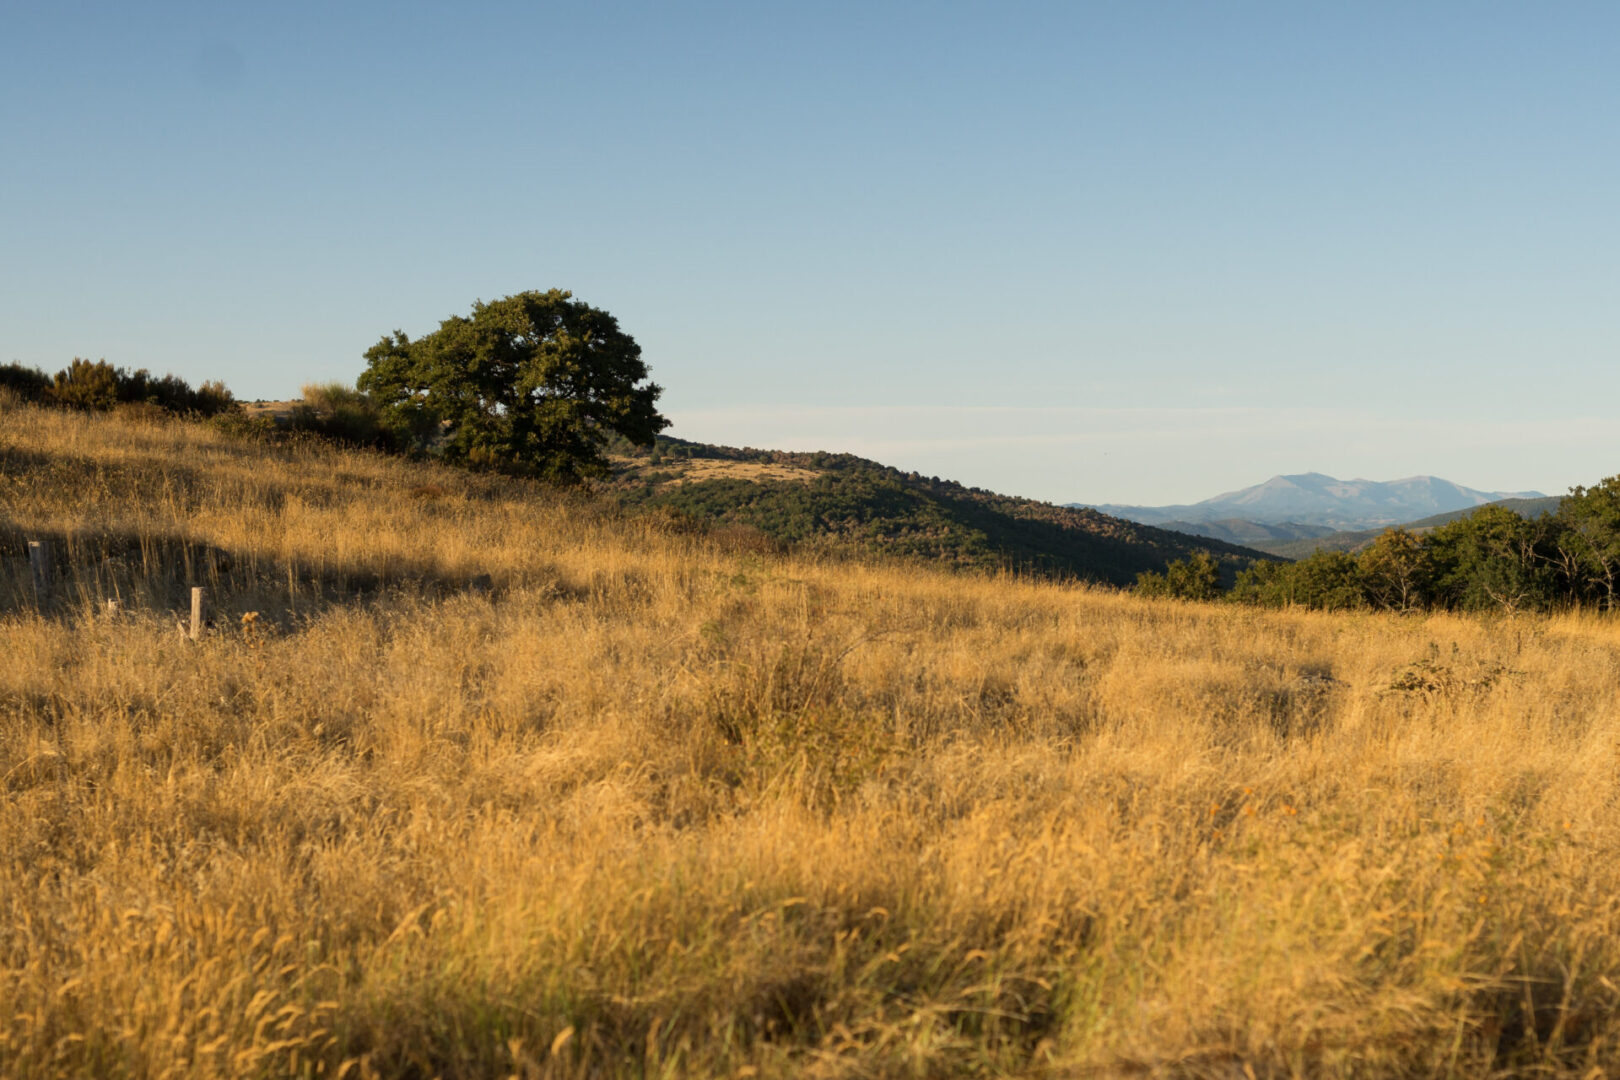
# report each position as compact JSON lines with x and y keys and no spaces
{"x":639,"y":805}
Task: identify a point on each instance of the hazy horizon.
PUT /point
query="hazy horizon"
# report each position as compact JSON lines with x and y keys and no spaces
{"x":1220,"y":497}
{"x":1099,"y":253}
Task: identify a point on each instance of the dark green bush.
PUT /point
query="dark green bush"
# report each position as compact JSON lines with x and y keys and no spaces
{"x":1495,"y":559}
{"x":1194,"y":578}
{"x":84,"y":384}
{"x":29,"y":384}
{"x":97,"y":385}
{"x":1326,"y":581}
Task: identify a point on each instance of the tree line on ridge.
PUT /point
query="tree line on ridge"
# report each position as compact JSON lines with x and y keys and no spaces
{"x":1491,"y":560}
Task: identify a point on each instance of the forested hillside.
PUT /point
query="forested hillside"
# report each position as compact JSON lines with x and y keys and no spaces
{"x":839,"y":500}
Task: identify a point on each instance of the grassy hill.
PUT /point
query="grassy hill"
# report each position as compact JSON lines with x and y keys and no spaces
{"x":472,"y":779}
{"x":1357,"y":539}
{"x":837,"y":501}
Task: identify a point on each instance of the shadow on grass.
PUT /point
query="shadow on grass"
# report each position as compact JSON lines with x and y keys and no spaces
{"x":146,"y":571}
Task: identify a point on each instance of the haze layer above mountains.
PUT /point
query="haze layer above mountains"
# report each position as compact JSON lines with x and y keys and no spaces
{"x":1320,"y":502}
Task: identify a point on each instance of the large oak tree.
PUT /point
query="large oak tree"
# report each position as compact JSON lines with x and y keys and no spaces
{"x":535,"y":383}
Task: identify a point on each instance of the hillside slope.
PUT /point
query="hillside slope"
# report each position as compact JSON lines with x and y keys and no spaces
{"x":823,"y":499}
{"x":473,"y":779}
{"x":1256,"y":534}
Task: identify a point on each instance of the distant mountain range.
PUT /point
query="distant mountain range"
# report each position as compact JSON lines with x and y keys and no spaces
{"x":1309,"y":505}
{"x":1357,"y":539}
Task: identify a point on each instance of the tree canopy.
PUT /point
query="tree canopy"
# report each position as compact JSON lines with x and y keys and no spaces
{"x":535,"y":383}
{"x":1492,"y":560}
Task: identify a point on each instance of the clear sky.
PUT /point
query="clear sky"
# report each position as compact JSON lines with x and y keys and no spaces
{"x":1108,"y":252}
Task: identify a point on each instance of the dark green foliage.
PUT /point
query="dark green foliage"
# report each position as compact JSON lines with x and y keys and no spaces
{"x":1397,"y":571}
{"x":1493,"y":560}
{"x":99,"y":386}
{"x":1265,"y":584}
{"x":861,"y":505}
{"x":1194,"y":578}
{"x":86,"y":385}
{"x":533,"y":384}
{"x":1328,"y":580}
{"x":1358,"y":539}
{"x":1586,"y":543}
{"x":28,"y":383}
{"x":173,"y":394}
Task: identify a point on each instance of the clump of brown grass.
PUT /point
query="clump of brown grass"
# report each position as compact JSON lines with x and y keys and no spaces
{"x":653,"y":804}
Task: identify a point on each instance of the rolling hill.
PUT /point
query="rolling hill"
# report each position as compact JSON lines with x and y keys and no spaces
{"x":831,"y":500}
{"x":1255,"y":534}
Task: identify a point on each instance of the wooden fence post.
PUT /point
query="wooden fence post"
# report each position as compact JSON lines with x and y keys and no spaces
{"x":199,"y":605}
{"x":39,"y":561}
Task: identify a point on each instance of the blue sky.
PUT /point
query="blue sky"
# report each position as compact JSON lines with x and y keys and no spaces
{"x":1112,"y":252}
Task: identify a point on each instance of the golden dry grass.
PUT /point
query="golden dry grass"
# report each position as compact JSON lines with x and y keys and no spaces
{"x":636,"y":805}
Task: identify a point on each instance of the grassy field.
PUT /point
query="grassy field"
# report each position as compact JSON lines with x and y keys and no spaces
{"x":497,"y":782}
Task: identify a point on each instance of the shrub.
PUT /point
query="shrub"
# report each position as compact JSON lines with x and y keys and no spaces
{"x":1193,"y":578}
{"x":173,"y":394}
{"x":341,"y":413}
{"x":1263,"y":584}
{"x":239,"y":425}
{"x":1327,"y":581}
{"x":98,"y":385}
{"x":86,"y":385}
{"x":28,"y":384}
